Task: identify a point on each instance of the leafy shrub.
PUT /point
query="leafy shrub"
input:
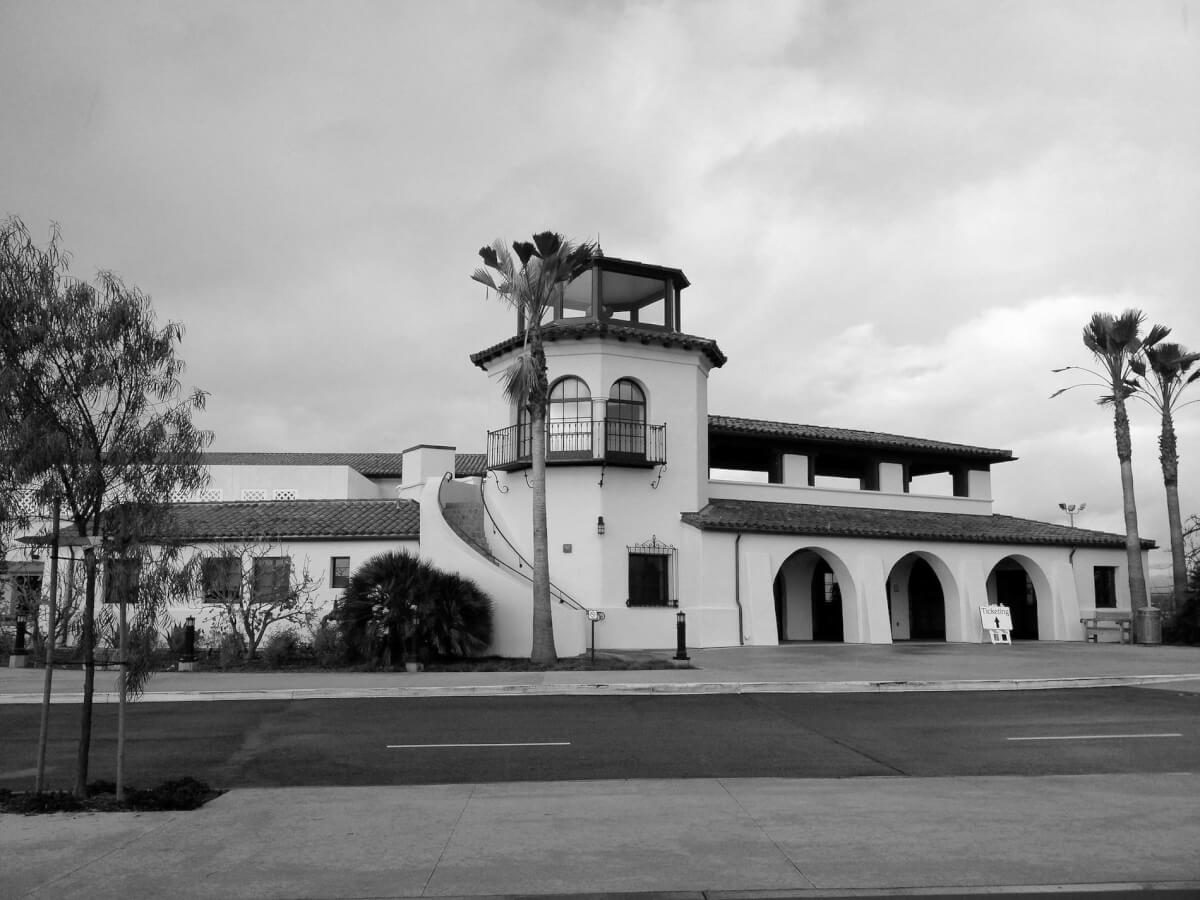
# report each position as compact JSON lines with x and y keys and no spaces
{"x":328,"y":647}
{"x":281,"y":648}
{"x":229,"y":651}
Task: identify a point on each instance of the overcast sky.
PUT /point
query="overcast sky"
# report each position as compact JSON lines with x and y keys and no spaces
{"x":895,"y":216}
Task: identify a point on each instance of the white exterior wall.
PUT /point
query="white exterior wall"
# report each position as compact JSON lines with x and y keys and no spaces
{"x":789,"y":493}
{"x":316,"y":555}
{"x":1063,"y":583}
{"x":309,"y":482}
{"x":637,"y":504}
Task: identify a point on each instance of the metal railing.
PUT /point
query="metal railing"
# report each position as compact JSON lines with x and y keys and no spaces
{"x":615,"y":441}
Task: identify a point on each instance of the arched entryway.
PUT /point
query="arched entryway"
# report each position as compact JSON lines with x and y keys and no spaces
{"x":1010,"y":583}
{"x":809,"y":597}
{"x":916,"y":600}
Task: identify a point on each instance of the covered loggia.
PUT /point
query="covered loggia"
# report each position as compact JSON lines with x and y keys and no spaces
{"x":1016,"y":582}
{"x":813,"y":594}
{"x":920,"y":588}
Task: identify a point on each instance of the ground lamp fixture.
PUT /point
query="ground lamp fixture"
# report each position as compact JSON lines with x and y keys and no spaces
{"x":681,"y":636}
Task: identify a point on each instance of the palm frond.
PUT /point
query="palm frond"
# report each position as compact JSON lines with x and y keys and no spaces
{"x":520,"y":379}
{"x":1157,"y":333}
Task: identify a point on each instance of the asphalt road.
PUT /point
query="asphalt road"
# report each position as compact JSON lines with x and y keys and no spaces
{"x":529,"y":738}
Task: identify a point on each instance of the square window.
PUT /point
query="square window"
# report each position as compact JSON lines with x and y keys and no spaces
{"x":221,"y":578}
{"x":121,"y":580}
{"x":339,"y":568}
{"x":270,"y":579}
{"x":1105,"y":578}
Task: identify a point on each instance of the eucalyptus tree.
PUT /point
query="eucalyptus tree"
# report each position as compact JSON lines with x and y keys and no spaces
{"x":1164,"y":377}
{"x":546,"y":266}
{"x":93,"y":413}
{"x":1115,"y":343}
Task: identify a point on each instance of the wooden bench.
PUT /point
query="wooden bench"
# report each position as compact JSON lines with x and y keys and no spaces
{"x":1108,"y":620}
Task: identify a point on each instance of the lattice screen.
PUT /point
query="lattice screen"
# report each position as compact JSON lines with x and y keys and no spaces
{"x":210,"y":495}
{"x":179,"y":496}
{"x":286,"y":494}
{"x":254,"y":494}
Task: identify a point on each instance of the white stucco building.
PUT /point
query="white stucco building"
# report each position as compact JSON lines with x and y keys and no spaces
{"x":759,"y":531}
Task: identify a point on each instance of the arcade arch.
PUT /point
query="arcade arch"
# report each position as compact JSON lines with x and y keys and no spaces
{"x":1019,"y":583}
{"x":814,"y":597}
{"x":922,"y":595}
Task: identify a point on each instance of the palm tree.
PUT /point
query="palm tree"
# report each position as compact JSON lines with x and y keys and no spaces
{"x":1168,"y":368}
{"x":1115,"y":344}
{"x":547,"y":265}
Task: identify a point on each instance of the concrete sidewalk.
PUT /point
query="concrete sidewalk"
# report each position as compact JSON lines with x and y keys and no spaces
{"x":731,"y":838}
{"x":792,"y":667}
{"x":725,"y":839}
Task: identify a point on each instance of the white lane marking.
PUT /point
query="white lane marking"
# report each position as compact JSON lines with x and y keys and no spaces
{"x":445,"y":746}
{"x":1094,"y":737}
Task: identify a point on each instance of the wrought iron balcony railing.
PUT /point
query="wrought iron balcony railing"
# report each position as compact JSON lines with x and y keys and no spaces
{"x":610,"y":441}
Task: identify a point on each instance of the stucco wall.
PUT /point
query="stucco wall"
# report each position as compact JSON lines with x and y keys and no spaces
{"x":787,"y":493}
{"x":309,"y":482}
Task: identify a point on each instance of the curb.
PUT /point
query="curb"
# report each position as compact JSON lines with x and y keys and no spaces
{"x":613,"y":689}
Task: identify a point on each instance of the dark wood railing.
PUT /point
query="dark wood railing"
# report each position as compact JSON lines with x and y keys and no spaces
{"x":611,"y":441}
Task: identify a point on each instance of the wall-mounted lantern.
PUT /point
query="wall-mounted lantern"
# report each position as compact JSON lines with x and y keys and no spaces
{"x":599,"y":524}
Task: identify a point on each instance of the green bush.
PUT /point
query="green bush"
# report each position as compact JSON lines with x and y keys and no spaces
{"x":230,"y":651}
{"x":396,"y":599}
{"x":281,"y":648}
{"x":328,"y":648}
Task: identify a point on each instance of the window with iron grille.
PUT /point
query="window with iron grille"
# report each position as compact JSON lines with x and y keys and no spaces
{"x":121,"y":580}
{"x":625,"y":413}
{"x":339,"y":569}
{"x":269,"y":581}
{"x":652,"y":574}
{"x":254,"y":494}
{"x":221,"y":579}
{"x":569,"y":418}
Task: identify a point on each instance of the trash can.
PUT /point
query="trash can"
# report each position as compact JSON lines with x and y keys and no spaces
{"x":1147,"y":625}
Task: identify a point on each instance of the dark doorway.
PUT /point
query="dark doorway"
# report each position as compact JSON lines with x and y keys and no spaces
{"x":1015,"y":590}
{"x":926,"y":604}
{"x":826,"y":604}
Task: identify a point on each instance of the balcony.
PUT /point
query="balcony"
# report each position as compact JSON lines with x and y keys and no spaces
{"x":608,"y":441}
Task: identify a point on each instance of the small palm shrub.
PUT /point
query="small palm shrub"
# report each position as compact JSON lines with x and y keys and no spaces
{"x":395,"y":600}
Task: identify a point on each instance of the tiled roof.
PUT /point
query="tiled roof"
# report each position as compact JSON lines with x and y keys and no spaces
{"x":296,"y":520}
{"x":369,"y":465}
{"x":839,"y":521}
{"x":559,"y":331}
{"x":823,"y":434}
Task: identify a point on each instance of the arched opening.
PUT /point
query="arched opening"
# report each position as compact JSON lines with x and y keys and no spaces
{"x":625,"y":416}
{"x":1011,"y":584}
{"x":569,"y":419}
{"x":809,"y":598}
{"x":916,"y":601}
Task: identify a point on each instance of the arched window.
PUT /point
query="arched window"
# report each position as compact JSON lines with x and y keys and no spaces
{"x":569,"y":422}
{"x":626,"y":415}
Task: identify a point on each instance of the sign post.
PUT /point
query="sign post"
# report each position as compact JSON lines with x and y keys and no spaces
{"x":997,"y":622}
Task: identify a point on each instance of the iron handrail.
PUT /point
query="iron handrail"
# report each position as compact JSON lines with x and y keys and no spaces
{"x":555,"y":591}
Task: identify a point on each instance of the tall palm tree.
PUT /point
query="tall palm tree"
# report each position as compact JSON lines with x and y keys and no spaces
{"x":547,"y":265}
{"x":1168,"y":365}
{"x":1115,"y":343}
